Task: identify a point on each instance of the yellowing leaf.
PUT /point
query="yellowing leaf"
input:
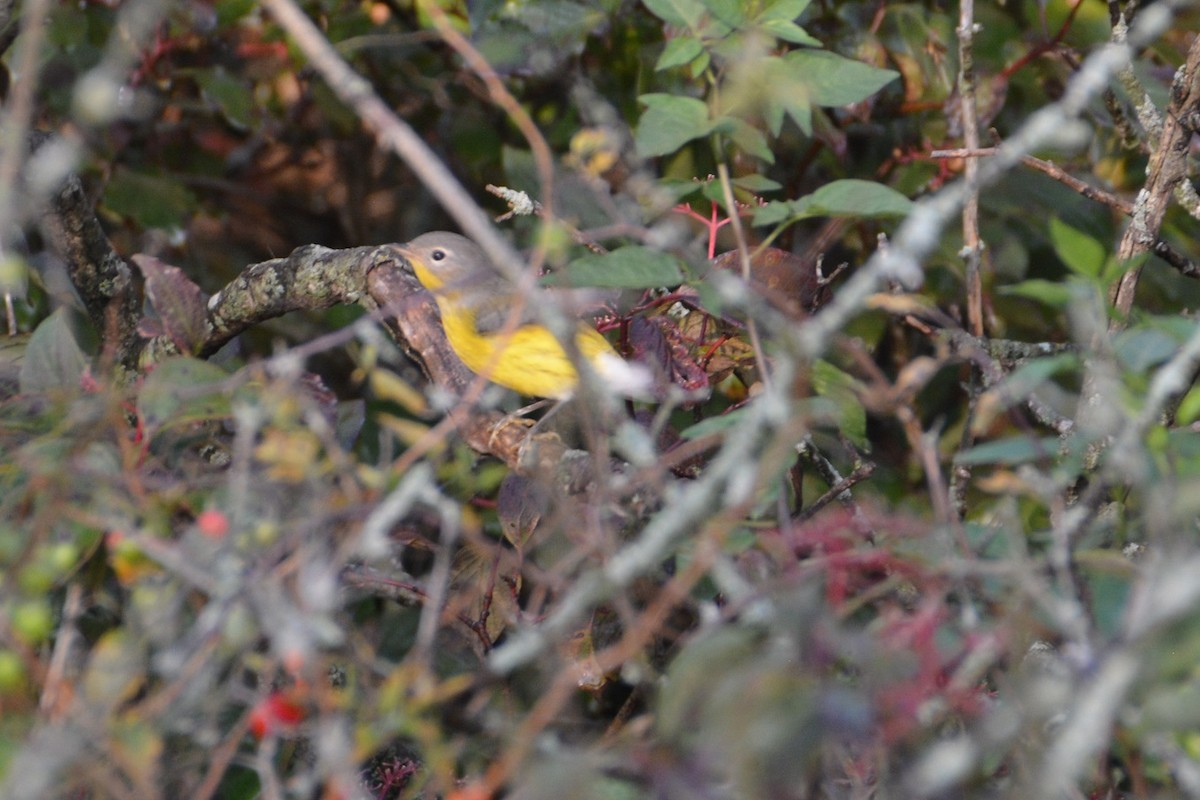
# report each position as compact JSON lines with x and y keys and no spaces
{"x":289,"y":455}
{"x":406,"y":430}
{"x":386,"y":385}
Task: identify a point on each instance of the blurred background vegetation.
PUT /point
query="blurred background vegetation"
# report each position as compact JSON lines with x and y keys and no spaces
{"x":943,"y":547}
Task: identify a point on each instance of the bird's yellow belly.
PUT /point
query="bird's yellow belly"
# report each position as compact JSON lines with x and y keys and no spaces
{"x":530,"y":360}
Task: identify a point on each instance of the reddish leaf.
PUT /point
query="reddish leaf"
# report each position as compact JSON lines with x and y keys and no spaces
{"x":179,"y":303}
{"x":658,"y":343}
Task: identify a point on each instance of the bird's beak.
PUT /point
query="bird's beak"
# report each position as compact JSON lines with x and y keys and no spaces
{"x":406,"y":254}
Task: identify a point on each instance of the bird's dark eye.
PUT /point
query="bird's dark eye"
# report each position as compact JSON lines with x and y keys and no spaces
{"x":438,"y":255}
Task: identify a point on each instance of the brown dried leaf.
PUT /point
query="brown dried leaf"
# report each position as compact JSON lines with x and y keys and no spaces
{"x":785,"y":280}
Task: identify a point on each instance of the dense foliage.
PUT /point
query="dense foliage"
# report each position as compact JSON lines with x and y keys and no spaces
{"x":908,"y":515}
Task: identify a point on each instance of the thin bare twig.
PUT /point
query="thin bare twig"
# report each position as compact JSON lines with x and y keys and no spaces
{"x":972,"y":243}
{"x":1160,"y":248}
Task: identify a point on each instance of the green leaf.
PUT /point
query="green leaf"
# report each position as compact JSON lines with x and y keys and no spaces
{"x":566,"y":22}
{"x":790,"y":32}
{"x":230,"y":11}
{"x":786,"y":10}
{"x":150,"y":201}
{"x":796,"y":82}
{"x":1015,"y":450}
{"x":1016,"y":387}
{"x":669,"y":123}
{"x":856,"y":198}
{"x":787,"y":94}
{"x":1033,"y":373}
{"x":1189,"y":408}
{"x":680,"y":13}
{"x":1114,"y":267}
{"x":679,"y":189}
{"x":805,"y":78}
{"x":181,"y":391}
{"x":834,"y":80}
{"x":852,"y":198}
{"x":729,"y":12}
{"x":773,"y":213}
{"x":1052,"y":293}
{"x":749,"y":139}
{"x":839,"y":387}
{"x":1082,"y":254}
{"x":632,"y":267}
{"x":680,"y":50}
{"x":1110,"y":593}
{"x":756,"y":183}
{"x":713,"y":425}
{"x":53,"y":358}
{"x":1139,"y":349}
{"x":230,"y":95}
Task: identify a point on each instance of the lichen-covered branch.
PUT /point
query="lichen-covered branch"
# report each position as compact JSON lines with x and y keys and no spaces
{"x":104,"y":281}
{"x":311,"y":278}
{"x":1168,"y":166}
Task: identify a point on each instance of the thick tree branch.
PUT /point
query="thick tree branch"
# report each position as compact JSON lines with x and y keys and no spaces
{"x":1168,"y":166}
{"x":111,"y":296}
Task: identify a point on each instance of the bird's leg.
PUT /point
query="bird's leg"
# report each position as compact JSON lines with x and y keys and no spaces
{"x":518,"y":418}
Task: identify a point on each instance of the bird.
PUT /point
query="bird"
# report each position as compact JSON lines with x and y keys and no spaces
{"x":475,"y":301}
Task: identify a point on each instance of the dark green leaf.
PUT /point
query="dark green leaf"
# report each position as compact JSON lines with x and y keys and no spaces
{"x":856,"y":198}
{"x":714,"y":425}
{"x":1033,"y":373}
{"x":230,"y":95}
{"x":1016,"y":450}
{"x":680,"y":50}
{"x":839,"y":387}
{"x":845,"y":198}
{"x":150,"y":201}
{"x":53,"y":358}
{"x":632,"y":267}
{"x":181,"y":391}
{"x":669,"y":123}
{"x":1109,"y":589}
